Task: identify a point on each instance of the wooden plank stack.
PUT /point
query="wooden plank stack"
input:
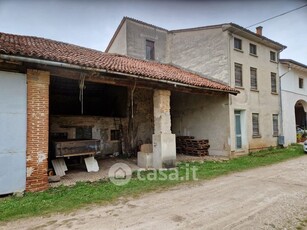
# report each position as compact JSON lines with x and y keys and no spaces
{"x":189,"y":146}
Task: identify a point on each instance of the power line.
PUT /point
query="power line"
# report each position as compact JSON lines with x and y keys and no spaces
{"x":277,"y":16}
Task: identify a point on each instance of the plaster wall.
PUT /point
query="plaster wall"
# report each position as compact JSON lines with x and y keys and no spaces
{"x":291,"y":94}
{"x":119,"y":45}
{"x":204,"y":117}
{"x":261,"y":101}
{"x":137,"y":34}
{"x":202,"y":51}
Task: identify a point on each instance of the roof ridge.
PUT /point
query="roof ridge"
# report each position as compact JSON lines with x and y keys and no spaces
{"x":199,"y":28}
{"x":145,"y":23}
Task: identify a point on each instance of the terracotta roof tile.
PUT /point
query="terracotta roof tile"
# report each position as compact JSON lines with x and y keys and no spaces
{"x":46,"y":49}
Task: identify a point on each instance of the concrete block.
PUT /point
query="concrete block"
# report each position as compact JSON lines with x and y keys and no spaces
{"x":145,"y":160}
{"x":91,"y":164}
{"x":164,"y":150}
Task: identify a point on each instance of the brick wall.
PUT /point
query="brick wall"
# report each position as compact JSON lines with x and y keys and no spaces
{"x":37,"y":130}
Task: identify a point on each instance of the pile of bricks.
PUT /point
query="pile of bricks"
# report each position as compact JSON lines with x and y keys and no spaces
{"x":189,"y":146}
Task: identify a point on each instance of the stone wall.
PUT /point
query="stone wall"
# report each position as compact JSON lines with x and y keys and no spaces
{"x":141,"y":122}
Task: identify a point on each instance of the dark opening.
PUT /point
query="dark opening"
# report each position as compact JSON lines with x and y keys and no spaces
{"x":84,"y":132}
{"x":300,"y":115}
{"x":115,"y":135}
{"x":98,"y":99}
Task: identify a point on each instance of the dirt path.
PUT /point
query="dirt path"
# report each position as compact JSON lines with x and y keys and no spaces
{"x":272,"y":197}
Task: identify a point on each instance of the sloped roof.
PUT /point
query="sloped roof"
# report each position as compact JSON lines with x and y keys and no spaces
{"x":291,"y":61}
{"x":50,"y":50}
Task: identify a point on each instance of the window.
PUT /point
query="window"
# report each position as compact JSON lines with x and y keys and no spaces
{"x":273,"y":83}
{"x":115,"y":135}
{"x":275,"y":125}
{"x":253,"y":49}
{"x":238,"y":75}
{"x":272,"y":56}
{"x":253,"y":78}
{"x":150,"y":50}
{"x":238,"y":43}
{"x":238,"y":129}
{"x":301,"y":83}
{"x":255,"y":120}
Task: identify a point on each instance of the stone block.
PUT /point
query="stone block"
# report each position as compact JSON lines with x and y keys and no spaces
{"x":146,"y":148}
{"x":164,"y":150}
{"x":145,"y":160}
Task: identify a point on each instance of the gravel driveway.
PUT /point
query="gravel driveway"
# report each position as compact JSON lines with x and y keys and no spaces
{"x":273,"y":197}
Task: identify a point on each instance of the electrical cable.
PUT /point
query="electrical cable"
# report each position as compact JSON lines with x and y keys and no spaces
{"x":287,"y":12}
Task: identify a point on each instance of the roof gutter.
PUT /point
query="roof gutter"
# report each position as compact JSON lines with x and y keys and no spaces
{"x":72,"y":66}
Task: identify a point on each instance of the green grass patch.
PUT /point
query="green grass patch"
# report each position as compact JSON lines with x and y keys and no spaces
{"x":64,"y":199}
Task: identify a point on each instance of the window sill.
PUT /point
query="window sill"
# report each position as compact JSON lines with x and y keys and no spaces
{"x":236,"y":49}
{"x":275,"y":135}
{"x":256,"y":136}
{"x":273,"y":93}
{"x":254,"y":55}
{"x":273,"y":61}
{"x":255,"y":90}
{"x":240,"y":87}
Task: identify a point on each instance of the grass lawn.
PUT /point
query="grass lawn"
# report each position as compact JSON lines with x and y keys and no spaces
{"x":63,"y":199}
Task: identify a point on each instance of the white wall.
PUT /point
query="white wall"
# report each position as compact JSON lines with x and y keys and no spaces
{"x":291,"y":93}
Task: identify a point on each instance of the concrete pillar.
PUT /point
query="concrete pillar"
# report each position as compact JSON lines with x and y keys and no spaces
{"x":37,"y":130}
{"x":164,"y":143}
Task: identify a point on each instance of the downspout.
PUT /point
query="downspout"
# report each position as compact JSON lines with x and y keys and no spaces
{"x":230,"y":111}
{"x":281,"y":138}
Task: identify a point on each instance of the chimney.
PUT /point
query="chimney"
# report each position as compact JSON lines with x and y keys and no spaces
{"x":259,"y":30}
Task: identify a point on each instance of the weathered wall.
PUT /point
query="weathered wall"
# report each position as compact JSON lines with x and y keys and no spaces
{"x":202,"y":51}
{"x":137,"y":34}
{"x":143,"y":121}
{"x":119,"y":45}
{"x":291,"y":93}
{"x":205,"y":117}
{"x":260,"y":101}
{"x":37,"y":130}
{"x":101,"y":129}
{"x":102,"y":126}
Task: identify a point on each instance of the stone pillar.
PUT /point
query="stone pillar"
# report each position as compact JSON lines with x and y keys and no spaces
{"x":164,"y":144}
{"x":37,"y":130}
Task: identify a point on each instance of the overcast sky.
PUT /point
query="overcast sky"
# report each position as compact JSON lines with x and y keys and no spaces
{"x":91,"y":23}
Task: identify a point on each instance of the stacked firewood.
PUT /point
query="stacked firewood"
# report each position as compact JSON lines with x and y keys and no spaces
{"x":189,"y":146}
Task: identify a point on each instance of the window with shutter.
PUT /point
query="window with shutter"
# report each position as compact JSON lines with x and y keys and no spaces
{"x":275,"y":124}
{"x":253,"y":73}
{"x":255,"y":121}
{"x":238,"y":75}
{"x":273,"y":83}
